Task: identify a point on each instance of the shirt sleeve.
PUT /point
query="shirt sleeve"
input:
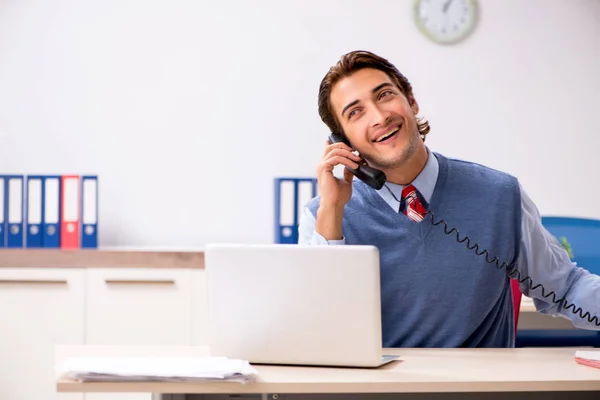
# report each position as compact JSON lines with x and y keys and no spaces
{"x":307,"y":233}
{"x":543,"y":259}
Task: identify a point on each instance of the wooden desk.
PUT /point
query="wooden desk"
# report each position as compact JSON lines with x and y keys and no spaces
{"x":417,"y":371}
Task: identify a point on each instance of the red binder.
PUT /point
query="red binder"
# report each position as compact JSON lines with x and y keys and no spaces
{"x":70,"y":201}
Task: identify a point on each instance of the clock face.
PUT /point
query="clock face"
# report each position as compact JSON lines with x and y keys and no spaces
{"x":446,"y":21}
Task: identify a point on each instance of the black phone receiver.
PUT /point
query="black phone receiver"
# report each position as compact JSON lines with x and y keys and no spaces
{"x":369,"y":175}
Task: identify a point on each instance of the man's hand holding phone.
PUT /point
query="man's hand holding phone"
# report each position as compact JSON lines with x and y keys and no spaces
{"x":334,"y":192}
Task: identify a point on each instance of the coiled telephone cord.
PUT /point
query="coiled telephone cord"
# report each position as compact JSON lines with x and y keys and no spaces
{"x":513,"y":272}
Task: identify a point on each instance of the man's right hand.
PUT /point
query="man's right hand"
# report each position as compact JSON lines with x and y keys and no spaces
{"x":334,"y":192}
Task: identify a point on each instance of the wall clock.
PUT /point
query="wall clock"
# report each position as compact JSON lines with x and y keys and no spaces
{"x":446,"y":21}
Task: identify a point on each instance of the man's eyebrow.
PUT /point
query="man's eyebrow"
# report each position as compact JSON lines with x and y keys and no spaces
{"x":355,"y":102}
{"x":381,"y":86}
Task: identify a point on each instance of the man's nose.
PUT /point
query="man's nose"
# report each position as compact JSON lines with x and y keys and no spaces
{"x":379,"y":117}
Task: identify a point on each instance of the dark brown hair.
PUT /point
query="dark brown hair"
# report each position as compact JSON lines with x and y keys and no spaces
{"x":347,"y":65}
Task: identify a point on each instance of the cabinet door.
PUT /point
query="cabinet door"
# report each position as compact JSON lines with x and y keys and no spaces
{"x":137,"y":306}
{"x":39,"y":309}
{"x":199,"y":309}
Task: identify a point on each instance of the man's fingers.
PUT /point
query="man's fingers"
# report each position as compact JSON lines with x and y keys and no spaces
{"x":328,"y":165}
{"x":337,"y":160}
{"x":332,"y":146}
{"x":348,"y":175}
{"x":327,"y":148}
{"x":342,"y":152}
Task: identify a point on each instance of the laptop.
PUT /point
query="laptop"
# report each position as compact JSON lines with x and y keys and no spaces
{"x":295,"y":304}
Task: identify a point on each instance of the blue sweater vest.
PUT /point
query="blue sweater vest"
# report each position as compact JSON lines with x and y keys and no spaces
{"x":435,"y":292}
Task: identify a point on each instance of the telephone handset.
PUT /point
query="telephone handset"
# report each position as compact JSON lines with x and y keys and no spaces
{"x":369,"y":175}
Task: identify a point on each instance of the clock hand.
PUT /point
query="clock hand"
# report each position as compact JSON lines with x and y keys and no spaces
{"x":447,"y":5}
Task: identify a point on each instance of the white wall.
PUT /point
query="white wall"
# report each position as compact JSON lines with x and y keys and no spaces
{"x":187,"y":110}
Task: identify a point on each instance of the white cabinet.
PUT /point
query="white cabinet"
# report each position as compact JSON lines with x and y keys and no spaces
{"x":199,"y":309}
{"x":44,"y":307}
{"x":138,"y":306}
{"x":39,"y":309}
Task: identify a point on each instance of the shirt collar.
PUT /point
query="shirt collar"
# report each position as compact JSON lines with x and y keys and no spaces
{"x":424,"y":182}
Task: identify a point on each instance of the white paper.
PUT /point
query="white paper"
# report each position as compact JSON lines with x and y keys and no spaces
{"x":588,"y":355}
{"x":156,"y":369}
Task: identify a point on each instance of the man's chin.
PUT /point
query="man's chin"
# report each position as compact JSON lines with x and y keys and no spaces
{"x":387,"y":163}
{"x":396,"y":160}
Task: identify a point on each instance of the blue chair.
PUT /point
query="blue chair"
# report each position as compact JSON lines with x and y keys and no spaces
{"x":583,"y":235}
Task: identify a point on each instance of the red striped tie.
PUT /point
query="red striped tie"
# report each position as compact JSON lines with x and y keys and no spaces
{"x":413,"y":207}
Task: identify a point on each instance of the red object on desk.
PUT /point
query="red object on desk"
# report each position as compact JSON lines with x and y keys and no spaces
{"x":589,"y":358}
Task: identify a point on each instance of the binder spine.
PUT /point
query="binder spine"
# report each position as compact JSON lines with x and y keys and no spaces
{"x":70,"y":212}
{"x":89,"y":212}
{"x":15,"y":205}
{"x":34,"y":199}
{"x":3,"y":211}
{"x":52,"y":213}
{"x":291,"y":195}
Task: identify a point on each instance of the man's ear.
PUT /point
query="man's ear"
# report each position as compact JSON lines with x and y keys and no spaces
{"x":413,"y":104}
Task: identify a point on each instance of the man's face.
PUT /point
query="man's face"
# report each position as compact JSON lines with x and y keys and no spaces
{"x":376,"y":117}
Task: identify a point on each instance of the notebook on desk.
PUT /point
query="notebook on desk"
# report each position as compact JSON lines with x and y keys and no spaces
{"x":295,"y":304}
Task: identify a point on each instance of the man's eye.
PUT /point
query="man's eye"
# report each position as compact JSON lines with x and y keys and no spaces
{"x":352,"y":113}
{"x":385,"y":93}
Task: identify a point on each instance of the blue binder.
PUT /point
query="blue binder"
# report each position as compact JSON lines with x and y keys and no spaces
{"x":89,"y":212}
{"x":51,"y":189}
{"x":14,"y":205}
{"x":291,"y":195}
{"x":3,"y":211}
{"x":34,"y":200}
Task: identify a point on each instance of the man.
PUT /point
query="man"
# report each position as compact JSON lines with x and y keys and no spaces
{"x":437,"y":291}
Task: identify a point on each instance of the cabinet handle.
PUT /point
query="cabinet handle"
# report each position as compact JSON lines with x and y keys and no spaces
{"x":34,"y":281}
{"x":139,"y":281}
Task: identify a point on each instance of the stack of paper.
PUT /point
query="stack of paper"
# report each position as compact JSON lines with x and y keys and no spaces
{"x":156,"y":369}
{"x":589,"y":358}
